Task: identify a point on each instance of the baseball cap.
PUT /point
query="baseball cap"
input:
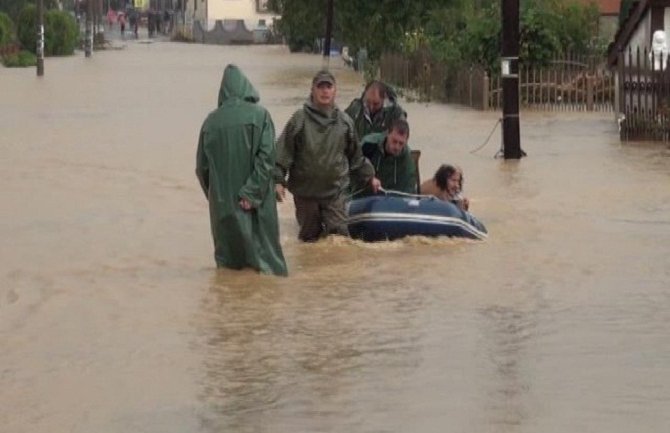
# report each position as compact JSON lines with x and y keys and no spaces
{"x":323,"y":77}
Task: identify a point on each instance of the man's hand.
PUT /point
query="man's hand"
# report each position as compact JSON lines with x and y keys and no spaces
{"x":375,"y":184}
{"x":245,"y":205}
{"x":465,"y":203}
{"x":280,"y":192}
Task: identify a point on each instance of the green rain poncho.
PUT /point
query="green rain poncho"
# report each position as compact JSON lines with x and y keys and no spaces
{"x":235,"y":159}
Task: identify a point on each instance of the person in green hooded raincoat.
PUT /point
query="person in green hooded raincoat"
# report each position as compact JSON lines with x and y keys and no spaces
{"x":234,"y":164}
{"x":391,"y":158}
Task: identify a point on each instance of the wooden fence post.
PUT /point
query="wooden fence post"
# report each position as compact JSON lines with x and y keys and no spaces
{"x":589,"y":92}
{"x":485,"y":91}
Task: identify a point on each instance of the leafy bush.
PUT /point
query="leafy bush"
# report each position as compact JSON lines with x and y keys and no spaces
{"x":6,"y":29}
{"x":21,"y":59}
{"x":25,"y":28}
{"x":60,"y":31}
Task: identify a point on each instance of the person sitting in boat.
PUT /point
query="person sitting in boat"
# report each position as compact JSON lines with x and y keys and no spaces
{"x":391,"y":157}
{"x":447,"y":185}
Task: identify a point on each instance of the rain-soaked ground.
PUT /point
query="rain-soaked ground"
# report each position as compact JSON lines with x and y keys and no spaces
{"x":113,"y":317}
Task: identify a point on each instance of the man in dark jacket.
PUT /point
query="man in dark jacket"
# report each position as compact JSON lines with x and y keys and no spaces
{"x":320,"y":153}
{"x":234,"y":164}
{"x":391,"y":157}
{"x":375,"y":110}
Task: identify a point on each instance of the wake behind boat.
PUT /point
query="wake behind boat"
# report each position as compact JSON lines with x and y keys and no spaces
{"x":396,"y":215}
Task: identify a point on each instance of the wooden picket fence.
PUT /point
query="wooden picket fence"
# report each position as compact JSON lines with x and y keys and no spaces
{"x":418,"y":73}
{"x":644,"y":96}
{"x":568,"y":83}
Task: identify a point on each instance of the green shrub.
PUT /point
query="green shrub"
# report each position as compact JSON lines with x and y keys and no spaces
{"x":26,"y":28}
{"x":21,"y":59}
{"x":60,"y":31}
{"x":6,"y":29}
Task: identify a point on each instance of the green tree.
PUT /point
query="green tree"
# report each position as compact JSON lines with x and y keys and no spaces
{"x":14,"y":7}
{"x":302,"y":21}
{"x":6,"y":29}
{"x":26,"y":28}
{"x":538,"y":42}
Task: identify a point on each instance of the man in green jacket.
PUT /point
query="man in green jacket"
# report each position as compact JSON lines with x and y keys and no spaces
{"x":320,"y":153}
{"x":391,"y":157}
{"x":234,"y":164}
{"x":375,"y":110}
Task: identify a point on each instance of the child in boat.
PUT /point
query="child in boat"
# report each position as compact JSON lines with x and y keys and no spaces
{"x":447,"y":185}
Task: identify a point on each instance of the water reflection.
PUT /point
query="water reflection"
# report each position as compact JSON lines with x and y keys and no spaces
{"x":306,"y":355}
{"x":507,"y":332}
{"x":241,"y":359}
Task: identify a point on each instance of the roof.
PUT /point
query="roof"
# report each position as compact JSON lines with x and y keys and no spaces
{"x":626,"y":30}
{"x":606,"y":7}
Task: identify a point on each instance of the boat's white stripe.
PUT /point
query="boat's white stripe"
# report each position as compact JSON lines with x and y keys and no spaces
{"x":404,"y":217}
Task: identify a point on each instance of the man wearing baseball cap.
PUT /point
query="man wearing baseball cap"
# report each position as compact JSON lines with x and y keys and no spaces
{"x":320,"y":153}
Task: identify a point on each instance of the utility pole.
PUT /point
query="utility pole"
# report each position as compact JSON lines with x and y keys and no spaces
{"x":40,"y":38}
{"x":88,"y":43}
{"x":329,"y":34}
{"x":510,"y":79}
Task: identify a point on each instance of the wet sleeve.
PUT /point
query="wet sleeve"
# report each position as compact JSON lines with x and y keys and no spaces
{"x":360,"y":168}
{"x":257,"y":185}
{"x":407,"y":182}
{"x":202,"y":164}
{"x":351,"y":110}
{"x":286,"y":149}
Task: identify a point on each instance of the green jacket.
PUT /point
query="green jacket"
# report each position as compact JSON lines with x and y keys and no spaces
{"x":320,"y":154}
{"x":235,"y":159}
{"x":397,"y":173}
{"x":366,"y":124}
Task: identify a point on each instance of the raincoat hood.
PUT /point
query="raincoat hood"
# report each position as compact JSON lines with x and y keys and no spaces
{"x":236,"y":85}
{"x":319,"y":116}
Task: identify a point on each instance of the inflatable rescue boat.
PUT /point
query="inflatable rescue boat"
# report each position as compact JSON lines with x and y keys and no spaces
{"x":395,"y":215}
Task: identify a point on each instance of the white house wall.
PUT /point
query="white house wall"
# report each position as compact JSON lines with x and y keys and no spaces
{"x":642,"y":34}
{"x":237,"y":10}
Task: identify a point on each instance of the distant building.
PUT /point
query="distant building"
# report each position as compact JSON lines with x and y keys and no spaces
{"x":253,"y":13}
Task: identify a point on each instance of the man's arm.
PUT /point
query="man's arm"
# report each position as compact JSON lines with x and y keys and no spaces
{"x":407,"y":179}
{"x":286,"y":147}
{"x":256,"y":187}
{"x":201,"y":163}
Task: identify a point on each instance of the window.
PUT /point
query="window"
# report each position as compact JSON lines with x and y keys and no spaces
{"x":262,"y":6}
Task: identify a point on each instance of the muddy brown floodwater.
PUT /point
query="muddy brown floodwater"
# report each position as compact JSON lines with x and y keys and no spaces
{"x":114,"y":319}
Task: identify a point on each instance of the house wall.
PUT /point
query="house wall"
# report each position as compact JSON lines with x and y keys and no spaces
{"x":642,"y":36}
{"x":247,"y":10}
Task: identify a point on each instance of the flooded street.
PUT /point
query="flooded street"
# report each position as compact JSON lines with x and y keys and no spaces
{"x":114,"y":319}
